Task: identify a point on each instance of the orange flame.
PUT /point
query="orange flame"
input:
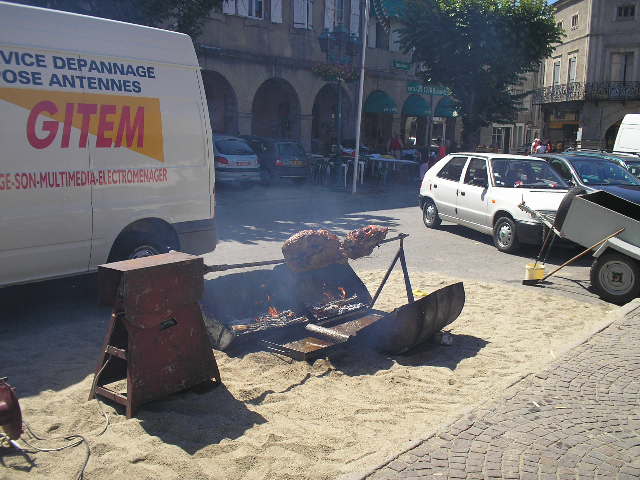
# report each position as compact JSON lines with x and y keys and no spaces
{"x":343,"y":292}
{"x":273,"y":312}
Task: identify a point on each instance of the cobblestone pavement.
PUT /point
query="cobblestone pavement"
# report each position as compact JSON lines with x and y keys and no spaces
{"x":579,"y":419}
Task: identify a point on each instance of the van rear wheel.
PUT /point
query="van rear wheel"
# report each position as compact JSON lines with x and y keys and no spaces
{"x":138,"y":245}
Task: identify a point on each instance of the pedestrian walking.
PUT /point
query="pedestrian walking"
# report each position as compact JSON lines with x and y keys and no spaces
{"x":541,"y":148}
{"x":395,"y":146}
{"x":535,"y":145}
{"x":549,"y":146}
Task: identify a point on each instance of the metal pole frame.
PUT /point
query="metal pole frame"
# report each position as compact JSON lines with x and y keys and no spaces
{"x":356,"y":158}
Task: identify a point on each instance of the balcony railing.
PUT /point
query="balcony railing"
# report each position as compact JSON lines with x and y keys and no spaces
{"x":590,"y":91}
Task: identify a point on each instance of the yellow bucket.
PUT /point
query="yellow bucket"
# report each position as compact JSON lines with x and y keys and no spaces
{"x":535,"y":272}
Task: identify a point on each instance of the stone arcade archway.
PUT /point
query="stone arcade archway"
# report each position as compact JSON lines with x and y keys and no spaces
{"x":222,"y":102}
{"x":324,"y":124}
{"x":276,"y":110}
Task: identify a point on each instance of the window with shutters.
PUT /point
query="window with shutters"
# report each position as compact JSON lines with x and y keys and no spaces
{"x":382,"y":37}
{"x":255,"y":8}
{"x":622,"y":67}
{"x":573,"y":69}
{"x":303,"y":14}
{"x":276,"y":11}
{"x":244,"y":8}
{"x":354,"y":26}
{"x":626,"y":12}
{"x":556,"y":71}
{"x":574,"y":22}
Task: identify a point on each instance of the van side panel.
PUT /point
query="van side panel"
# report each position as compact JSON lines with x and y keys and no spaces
{"x":168,"y":178}
{"x":45,"y":190}
{"x":102,"y":124}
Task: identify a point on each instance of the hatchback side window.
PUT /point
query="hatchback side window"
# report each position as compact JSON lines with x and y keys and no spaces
{"x":561,"y":169}
{"x":453,"y":169}
{"x":477,"y":173}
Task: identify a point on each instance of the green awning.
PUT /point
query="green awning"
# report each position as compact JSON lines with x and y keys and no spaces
{"x":416,"y":106}
{"x":446,"y":108}
{"x":380,"y":102}
{"x":387,"y":8}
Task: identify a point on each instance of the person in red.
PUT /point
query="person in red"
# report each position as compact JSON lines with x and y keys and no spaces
{"x":549,"y":146}
{"x":395,"y":146}
{"x":442,"y":151}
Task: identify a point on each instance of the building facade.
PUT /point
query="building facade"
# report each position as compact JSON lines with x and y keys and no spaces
{"x":263,"y":64}
{"x":517,"y":137}
{"x":593,"y":77}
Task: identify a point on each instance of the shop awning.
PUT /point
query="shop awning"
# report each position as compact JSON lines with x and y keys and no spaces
{"x":416,"y":106}
{"x":446,"y":108}
{"x":387,"y":8}
{"x":380,"y":102}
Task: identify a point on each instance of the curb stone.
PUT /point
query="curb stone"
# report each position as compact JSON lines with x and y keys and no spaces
{"x":613,"y":316}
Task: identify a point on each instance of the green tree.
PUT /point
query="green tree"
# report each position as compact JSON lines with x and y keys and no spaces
{"x":481,"y":50}
{"x":186,"y":16}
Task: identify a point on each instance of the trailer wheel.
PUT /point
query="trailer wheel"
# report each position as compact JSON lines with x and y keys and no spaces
{"x":430,"y":215}
{"x":616,"y":278}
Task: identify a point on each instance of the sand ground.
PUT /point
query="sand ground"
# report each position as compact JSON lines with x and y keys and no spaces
{"x":279,"y":419}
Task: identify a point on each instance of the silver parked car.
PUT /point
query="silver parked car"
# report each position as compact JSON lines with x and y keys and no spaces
{"x":235,"y":161}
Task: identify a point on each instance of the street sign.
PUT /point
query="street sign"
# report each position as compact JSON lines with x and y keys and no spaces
{"x":419,"y":88}
{"x":399,"y":65}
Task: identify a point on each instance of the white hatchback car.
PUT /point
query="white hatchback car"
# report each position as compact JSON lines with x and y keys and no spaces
{"x":482,"y":191}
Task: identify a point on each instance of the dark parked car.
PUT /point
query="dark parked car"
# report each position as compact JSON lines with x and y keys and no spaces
{"x":590,"y":172}
{"x":627,"y":160}
{"x":280,"y":158}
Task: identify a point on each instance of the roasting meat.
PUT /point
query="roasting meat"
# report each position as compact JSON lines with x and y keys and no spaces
{"x":361,"y":242}
{"x":312,"y":250}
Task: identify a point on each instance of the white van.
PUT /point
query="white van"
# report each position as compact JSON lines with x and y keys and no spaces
{"x":628,"y":138}
{"x":105,"y":144}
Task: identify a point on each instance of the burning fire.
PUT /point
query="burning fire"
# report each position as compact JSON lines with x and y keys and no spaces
{"x":273,"y":311}
{"x":343,"y":292}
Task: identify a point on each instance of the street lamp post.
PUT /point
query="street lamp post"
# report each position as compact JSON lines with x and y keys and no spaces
{"x":356,"y":158}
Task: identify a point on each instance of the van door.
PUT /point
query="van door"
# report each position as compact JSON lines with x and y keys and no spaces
{"x":45,"y":190}
{"x":473,"y":206}
{"x":446,"y":184}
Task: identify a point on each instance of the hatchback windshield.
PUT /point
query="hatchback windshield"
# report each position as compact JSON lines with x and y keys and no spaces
{"x":514,"y":173}
{"x":288,"y":150}
{"x":233,"y":146}
{"x":595,"y":172}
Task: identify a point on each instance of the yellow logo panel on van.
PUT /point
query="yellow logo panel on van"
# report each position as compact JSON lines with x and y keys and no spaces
{"x":116,"y":121}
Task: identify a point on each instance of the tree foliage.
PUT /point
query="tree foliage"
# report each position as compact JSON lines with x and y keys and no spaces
{"x":481,"y":50}
{"x":186,"y":16}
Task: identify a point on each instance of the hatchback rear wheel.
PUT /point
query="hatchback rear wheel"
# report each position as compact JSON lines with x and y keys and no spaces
{"x":430,"y":215}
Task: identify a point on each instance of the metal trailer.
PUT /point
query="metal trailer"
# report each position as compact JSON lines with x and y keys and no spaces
{"x":615,"y":273}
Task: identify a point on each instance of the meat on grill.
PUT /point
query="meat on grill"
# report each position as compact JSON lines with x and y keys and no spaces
{"x":361,"y":242}
{"x":312,"y":250}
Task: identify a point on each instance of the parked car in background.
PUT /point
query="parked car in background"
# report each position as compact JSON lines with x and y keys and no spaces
{"x":589,"y":171}
{"x":234,"y":159}
{"x":279,"y":158}
{"x":627,"y":160}
{"x":482,"y":191}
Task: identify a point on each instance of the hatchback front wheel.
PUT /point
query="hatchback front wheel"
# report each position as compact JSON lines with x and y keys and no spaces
{"x":505,"y":235}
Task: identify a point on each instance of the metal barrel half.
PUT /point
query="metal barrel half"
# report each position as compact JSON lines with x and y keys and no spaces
{"x":415,"y":323}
